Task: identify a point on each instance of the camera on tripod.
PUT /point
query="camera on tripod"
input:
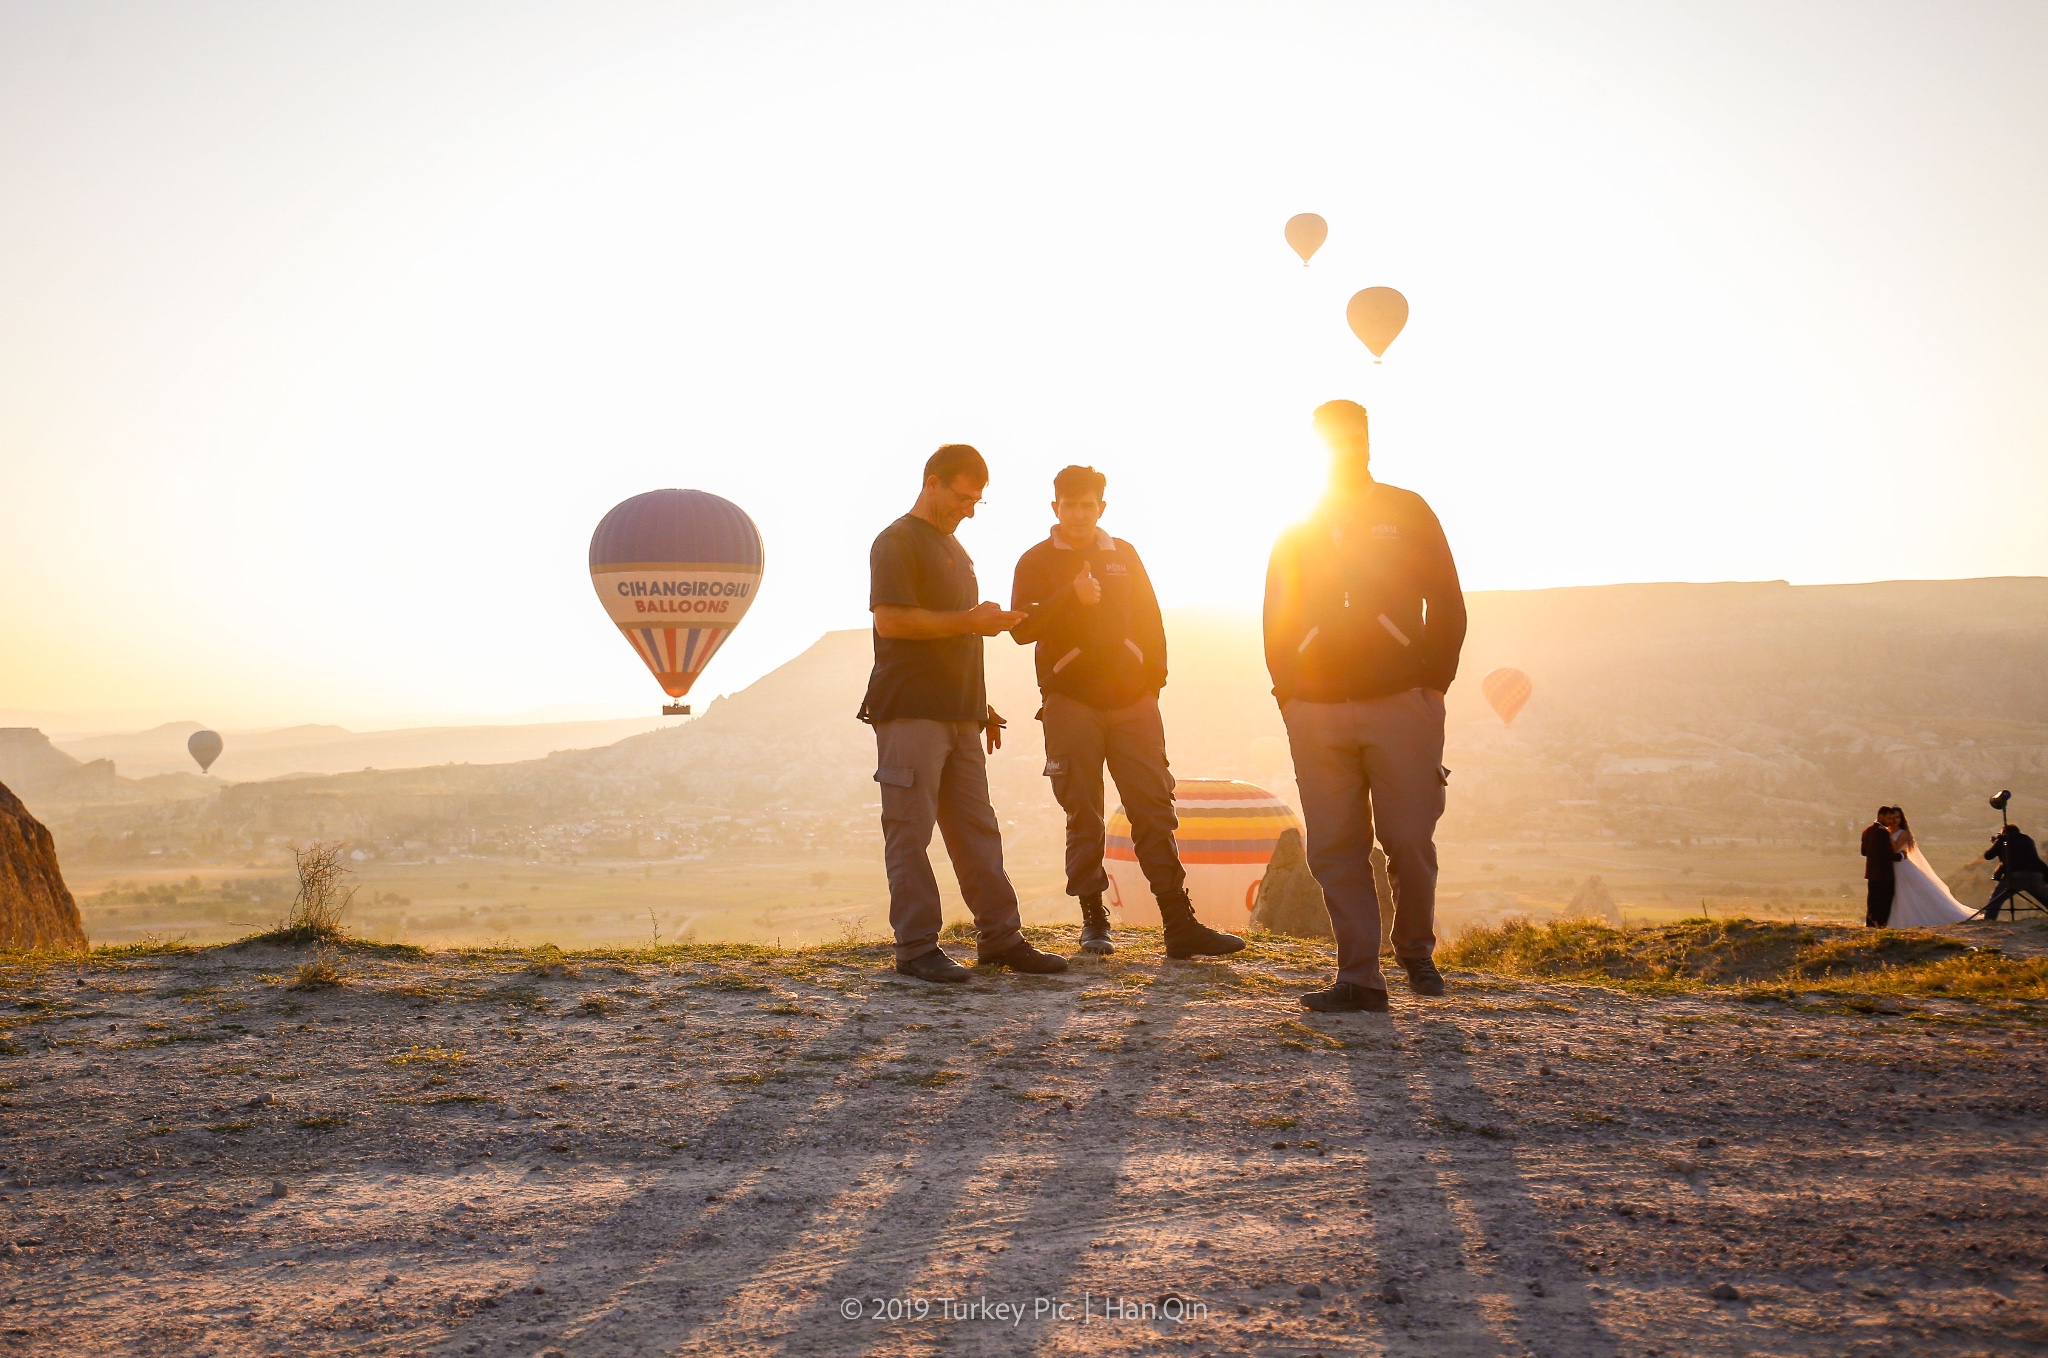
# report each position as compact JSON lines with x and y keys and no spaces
{"x":1999,"y":803}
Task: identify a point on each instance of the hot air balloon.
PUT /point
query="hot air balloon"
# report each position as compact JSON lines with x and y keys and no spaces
{"x":1306,"y":232}
{"x":676,"y":570}
{"x":1376,"y":316}
{"x":1507,"y":690}
{"x":1227,"y":832}
{"x":204,"y":747}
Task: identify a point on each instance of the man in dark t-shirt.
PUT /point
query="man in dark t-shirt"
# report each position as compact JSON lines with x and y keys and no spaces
{"x":929,"y":706}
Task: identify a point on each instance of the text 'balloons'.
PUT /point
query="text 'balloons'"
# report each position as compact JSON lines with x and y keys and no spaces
{"x":1507,"y":690}
{"x":1306,"y":233}
{"x":1376,"y":316}
{"x":204,"y":747}
{"x":676,"y":570}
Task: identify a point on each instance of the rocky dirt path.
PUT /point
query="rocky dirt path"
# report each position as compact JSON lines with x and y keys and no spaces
{"x":800,"y":1154}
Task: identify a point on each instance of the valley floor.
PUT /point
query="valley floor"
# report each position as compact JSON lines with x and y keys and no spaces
{"x":723,"y":1150}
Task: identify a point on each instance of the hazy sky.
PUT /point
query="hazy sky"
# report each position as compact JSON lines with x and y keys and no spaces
{"x":329,"y":331}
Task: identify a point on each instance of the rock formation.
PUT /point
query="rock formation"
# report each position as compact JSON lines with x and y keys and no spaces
{"x":1595,"y":902}
{"x":1289,"y":901}
{"x":36,"y":909}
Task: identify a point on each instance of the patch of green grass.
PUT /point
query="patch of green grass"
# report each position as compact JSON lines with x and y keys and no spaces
{"x":325,"y":1122}
{"x":166,"y":1039}
{"x":937,"y":1079}
{"x":461,"y":1098}
{"x":229,"y":1128}
{"x":151,"y":946}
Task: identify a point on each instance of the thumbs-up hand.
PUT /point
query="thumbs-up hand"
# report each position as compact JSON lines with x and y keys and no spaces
{"x":1087,"y":588}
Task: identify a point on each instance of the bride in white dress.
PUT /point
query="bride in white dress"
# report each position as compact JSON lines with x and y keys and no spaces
{"x":1922,"y":901}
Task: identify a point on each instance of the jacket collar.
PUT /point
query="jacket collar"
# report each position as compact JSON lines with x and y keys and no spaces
{"x":1103,"y":541}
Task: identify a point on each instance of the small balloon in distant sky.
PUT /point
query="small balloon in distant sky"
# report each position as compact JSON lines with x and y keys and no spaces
{"x":204,"y":747}
{"x":1376,"y":316}
{"x":1306,"y":232}
{"x":1507,"y":690}
{"x":676,"y":570}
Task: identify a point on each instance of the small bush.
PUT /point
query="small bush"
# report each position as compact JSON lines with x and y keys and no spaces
{"x":317,"y":972}
{"x":323,"y":895}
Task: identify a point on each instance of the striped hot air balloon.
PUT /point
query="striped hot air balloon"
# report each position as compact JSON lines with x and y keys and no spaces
{"x":1227,"y":832}
{"x":676,"y":570}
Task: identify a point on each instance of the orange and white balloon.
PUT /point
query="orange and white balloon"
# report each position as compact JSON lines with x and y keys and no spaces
{"x":1507,"y":690}
{"x":1376,"y":316}
{"x":1306,"y":233}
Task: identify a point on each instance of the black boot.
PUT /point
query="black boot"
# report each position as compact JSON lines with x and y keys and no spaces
{"x":1187,"y":936}
{"x":1095,"y":925}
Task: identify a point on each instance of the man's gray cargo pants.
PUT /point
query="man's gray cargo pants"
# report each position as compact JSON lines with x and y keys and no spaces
{"x":1363,"y":768}
{"x":935,"y":772}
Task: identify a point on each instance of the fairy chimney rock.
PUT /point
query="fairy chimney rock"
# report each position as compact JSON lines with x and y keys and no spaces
{"x":1289,"y":902}
{"x":36,"y":909}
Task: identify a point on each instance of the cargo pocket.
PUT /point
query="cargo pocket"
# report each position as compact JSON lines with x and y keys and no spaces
{"x":899,"y":798}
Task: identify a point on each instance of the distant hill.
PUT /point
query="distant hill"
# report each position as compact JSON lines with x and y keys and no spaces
{"x":1662,"y":712}
{"x":255,"y":755}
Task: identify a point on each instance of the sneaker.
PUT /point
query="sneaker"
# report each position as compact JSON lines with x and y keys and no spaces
{"x":1345,"y":998}
{"x":933,"y":966}
{"x":1423,"y":977}
{"x":1021,"y":956}
{"x":1095,"y":927}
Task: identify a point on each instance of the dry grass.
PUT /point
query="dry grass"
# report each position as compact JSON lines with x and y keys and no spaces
{"x":1751,"y":953}
{"x":317,"y":972}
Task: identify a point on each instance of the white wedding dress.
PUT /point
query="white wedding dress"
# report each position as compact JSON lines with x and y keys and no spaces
{"x":1922,"y":900}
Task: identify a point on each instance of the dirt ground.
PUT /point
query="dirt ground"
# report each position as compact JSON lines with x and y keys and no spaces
{"x":716,"y":1152}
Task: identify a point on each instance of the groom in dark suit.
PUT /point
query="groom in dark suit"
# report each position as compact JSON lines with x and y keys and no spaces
{"x":1880,"y":880}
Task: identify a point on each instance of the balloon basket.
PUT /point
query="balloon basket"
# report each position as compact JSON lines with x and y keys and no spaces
{"x":675,"y":709}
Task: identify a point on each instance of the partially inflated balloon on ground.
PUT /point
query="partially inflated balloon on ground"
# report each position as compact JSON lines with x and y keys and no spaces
{"x":676,"y":570}
{"x":1507,"y":690}
{"x":1227,"y":832}
{"x":1306,"y":232}
{"x":1376,"y":316}
{"x":204,"y":747}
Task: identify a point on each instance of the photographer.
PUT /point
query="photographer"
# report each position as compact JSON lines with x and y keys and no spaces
{"x":2020,"y":869}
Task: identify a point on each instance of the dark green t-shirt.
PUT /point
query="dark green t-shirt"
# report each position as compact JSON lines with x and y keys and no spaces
{"x":914,"y":565}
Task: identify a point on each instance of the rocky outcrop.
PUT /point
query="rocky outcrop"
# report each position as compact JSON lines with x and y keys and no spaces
{"x":1289,"y":902}
{"x":36,"y":909}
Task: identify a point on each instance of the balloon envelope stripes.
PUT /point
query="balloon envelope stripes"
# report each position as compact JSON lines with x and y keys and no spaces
{"x":1226,"y":836}
{"x":676,"y":570}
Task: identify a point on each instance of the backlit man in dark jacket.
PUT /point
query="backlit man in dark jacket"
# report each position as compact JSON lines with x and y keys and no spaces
{"x":1090,"y":609}
{"x":1364,"y":622}
{"x":2020,"y":871}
